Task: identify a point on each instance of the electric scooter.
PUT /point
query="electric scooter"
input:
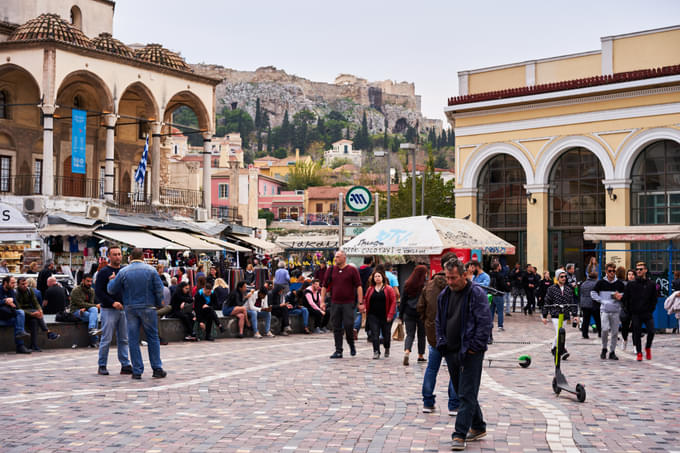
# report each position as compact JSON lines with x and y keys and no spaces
{"x":559,"y":382}
{"x":524,"y":361}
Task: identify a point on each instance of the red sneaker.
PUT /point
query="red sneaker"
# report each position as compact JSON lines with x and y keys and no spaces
{"x":639,"y":357}
{"x":648,"y":353}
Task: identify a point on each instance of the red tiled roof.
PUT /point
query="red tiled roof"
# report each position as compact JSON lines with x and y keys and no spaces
{"x":566,"y":85}
{"x":421,"y":167}
{"x":325,"y":192}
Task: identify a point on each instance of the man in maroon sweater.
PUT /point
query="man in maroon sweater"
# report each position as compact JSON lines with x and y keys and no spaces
{"x":344,"y":283}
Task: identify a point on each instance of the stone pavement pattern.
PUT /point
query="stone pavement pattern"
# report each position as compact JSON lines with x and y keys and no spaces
{"x":284,"y":394}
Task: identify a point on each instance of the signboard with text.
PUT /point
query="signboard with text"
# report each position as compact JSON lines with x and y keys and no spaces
{"x":358,"y":198}
{"x":78,"y":134}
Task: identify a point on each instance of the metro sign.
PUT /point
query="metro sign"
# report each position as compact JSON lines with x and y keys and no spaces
{"x":358,"y":198}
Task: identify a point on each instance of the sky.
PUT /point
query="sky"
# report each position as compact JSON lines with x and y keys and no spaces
{"x":425,"y":42}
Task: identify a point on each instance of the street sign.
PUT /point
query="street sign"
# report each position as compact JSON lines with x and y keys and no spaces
{"x":359,"y":219}
{"x":354,"y":231}
{"x":358,"y":198}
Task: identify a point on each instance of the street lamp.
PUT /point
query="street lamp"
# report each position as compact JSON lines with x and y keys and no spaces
{"x":381,"y":153}
{"x":412,"y":147}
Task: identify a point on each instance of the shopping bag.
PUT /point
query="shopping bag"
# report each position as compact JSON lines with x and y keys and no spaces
{"x":399,"y":334}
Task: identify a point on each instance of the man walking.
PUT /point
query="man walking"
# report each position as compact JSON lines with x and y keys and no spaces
{"x":427,"y":310}
{"x":609,"y":292}
{"x":531,"y":282}
{"x":639,"y":298}
{"x":345,"y":285}
{"x":142,"y":292}
{"x":113,"y":317}
{"x":463,"y":326}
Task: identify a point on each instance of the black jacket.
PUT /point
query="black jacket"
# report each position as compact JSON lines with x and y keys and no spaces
{"x":499,"y":282}
{"x":55,"y":296}
{"x":101,"y":295}
{"x":639,"y":297}
{"x":178,"y":298}
{"x":556,"y":297}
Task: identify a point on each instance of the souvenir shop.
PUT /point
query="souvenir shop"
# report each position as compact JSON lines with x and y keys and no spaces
{"x":19,"y":241}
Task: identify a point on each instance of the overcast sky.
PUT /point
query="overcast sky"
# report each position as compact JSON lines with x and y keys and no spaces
{"x":425,"y":42}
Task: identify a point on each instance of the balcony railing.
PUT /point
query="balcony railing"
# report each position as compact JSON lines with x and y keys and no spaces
{"x":21,"y":185}
{"x":74,"y":186}
{"x":181,"y":197}
{"x":225,"y":213}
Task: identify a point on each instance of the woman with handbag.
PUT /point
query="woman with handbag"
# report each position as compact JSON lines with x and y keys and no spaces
{"x":409,"y":315}
{"x":380,"y":304}
{"x":182,"y":309}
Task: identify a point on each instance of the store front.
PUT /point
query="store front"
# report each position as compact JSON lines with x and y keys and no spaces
{"x":19,"y":241}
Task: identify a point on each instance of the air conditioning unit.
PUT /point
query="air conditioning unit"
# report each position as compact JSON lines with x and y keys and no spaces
{"x":201,"y":215}
{"x":95,"y":211}
{"x":35,"y":205}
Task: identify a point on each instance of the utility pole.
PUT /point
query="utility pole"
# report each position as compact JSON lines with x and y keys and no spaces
{"x":422,"y":195}
{"x":412,"y":147}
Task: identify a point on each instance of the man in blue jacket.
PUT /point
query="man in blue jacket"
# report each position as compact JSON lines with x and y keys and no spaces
{"x":463,"y":326}
{"x":142,"y":292}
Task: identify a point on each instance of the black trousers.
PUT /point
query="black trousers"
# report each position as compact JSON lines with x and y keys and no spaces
{"x":208,"y":316}
{"x":413,"y":324}
{"x":186,"y":320}
{"x":380,"y":325}
{"x":638,"y":320}
{"x":281,"y":312}
{"x":531,"y":301}
{"x":585,"y":322}
{"x":626,"y":324}
{"x":342,"y":319}
{"x":33,"y":325}
{"x":319,"y":319}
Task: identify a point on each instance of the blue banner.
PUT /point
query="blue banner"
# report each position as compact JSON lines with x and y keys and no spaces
{"x":78,"y":126}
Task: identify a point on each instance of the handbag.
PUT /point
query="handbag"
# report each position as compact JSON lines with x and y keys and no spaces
{"x":399,"y":334}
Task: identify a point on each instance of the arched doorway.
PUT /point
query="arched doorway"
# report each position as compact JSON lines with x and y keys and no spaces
{"x":501,"y":202}
{"x":655,"y":199}
{"x":576,"y":199}
{"x":70,"y":184}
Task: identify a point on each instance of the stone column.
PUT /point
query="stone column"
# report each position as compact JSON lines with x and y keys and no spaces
{"x":537,"y":226}
{"x":110,"y":124}
{"x":155,"y":162}
{"x":207,"y":173}
{"x":617,"y":213}
{"x":48,"y":150}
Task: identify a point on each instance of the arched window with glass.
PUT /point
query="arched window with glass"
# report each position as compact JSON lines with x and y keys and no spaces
{"x":576,"y":199}
{"x":502,"y":204}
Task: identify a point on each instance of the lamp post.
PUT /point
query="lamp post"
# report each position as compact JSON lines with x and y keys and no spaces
{"x":381,"y":153}
{"x":422,"y":194}
{"x":412,"y":147}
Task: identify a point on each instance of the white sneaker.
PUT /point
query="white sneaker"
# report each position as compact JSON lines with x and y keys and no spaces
{"x":428,"y":409}
{"x":257,"y":335}
{"x":453,"y":413}
{"x":270,"y":335}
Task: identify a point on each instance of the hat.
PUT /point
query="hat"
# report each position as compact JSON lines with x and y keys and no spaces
{"x":559,"y":272}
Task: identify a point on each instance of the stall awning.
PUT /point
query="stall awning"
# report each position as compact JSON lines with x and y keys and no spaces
{"x":635,"y":233}
{"x":187,"y":240}
{"x":66,"y":229}
{"x":265,"y":246}
{"x":224,"y":244}
{"x":312,"y":242}
{"x":138,"y":239}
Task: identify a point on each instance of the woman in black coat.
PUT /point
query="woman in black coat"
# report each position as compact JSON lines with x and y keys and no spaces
{"x":182,"y":309}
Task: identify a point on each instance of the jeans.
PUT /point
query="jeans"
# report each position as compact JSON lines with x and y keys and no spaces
{"x":303,"y":311}
{"x":89,"y":316}
{"x":146,"y":318}
{"x":638,"y":320}
{"x":255,"y":315}
{"x":18,"y":322}
{"x":357,"y":321}
{"x":466,"y":374}
{"x":497,"y":306}
{"x":434,"y":361}
{"x":114,"y":321}
{"x":342,"y":317}
{"x":380,"y":325}
{"x":412,"y":324}
{"x":506,"y":300}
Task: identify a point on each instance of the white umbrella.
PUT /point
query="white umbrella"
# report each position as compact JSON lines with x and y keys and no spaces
{"x":425,"y":235}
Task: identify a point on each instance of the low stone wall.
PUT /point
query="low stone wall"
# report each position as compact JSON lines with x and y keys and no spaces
{"x":75,"y":334}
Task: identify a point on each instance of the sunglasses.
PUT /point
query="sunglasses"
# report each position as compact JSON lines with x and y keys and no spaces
{"x":562,"y":276}
{"x":640,"y":269}
{"x":611,"y":271}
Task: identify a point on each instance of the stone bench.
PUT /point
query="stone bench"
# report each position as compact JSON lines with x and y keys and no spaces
{"x":170,"y":330}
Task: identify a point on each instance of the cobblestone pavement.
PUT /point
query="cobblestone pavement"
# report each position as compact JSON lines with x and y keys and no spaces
{"x":285,"y":394}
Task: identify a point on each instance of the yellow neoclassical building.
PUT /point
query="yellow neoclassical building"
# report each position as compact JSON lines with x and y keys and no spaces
{"x":547,"y":147}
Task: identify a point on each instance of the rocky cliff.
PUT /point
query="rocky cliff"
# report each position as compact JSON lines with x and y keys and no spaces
{"x":349,"y":95}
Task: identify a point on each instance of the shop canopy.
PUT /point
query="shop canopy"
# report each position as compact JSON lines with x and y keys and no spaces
{"x":187,"y":240}
{"x":311,"y":243}
{"x":224,"y":244}
{"x":425,"y":235}
{"x":637,"y":233}
{"x":260,"y":244}
{"x":138,"y":239}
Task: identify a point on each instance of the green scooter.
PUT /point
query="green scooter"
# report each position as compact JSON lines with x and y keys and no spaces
{"x":559,"y":382}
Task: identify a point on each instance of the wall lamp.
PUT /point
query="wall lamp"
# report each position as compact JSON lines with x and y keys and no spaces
{"x":530,"y":198}
{"x":610,"y":192}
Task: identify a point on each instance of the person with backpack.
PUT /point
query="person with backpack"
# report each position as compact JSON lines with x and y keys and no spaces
{"x":409,"y":314}
{"x":499,"y":283}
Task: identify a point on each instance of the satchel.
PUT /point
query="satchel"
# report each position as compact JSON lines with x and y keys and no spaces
{"x":7,"y":312}
{"x":399,"y":334}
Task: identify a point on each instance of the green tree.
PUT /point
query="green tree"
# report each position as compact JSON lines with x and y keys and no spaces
{"x":236,"y":121}
{"x":284,"y":135}
{"x":304,"y":174}
{"x":280,"y":153}
{"x":302,"y":120}
{"x":184,"y":116}
{"x":258,"y":115}
{"x":265,"y":214}
{"x":361,"y":140}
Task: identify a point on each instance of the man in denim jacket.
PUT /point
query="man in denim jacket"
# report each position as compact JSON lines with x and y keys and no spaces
{"x":463,"y":325}
{"x":142,"y":292}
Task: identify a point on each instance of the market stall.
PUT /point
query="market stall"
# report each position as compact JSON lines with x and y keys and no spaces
{"x":19,"y":241}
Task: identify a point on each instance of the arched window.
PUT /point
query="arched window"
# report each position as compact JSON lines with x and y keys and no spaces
{"x":4,"y":100}
{"x":655,"y":185}
{"x":77,"y":18}
{"x":576,"y":199}
{"x":501,"y":201}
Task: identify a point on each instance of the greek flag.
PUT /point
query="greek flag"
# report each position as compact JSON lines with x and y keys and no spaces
{"x":141,"y":169}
